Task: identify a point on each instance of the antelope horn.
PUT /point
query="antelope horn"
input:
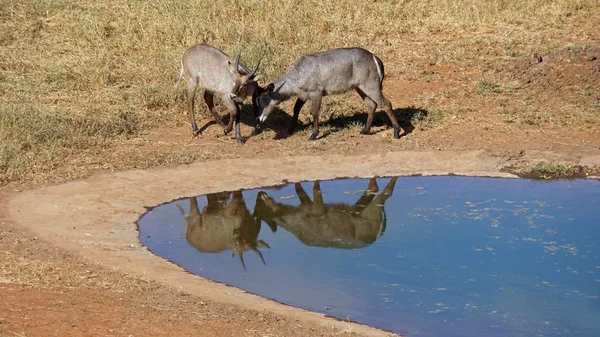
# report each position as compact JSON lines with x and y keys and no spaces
{"x":279,"y":87}
{"x":256,"y":68}
{"x":259,"y":255}
{"x":246,"y":70}
{"x":242,"y":259}
{"x":237,"y":61}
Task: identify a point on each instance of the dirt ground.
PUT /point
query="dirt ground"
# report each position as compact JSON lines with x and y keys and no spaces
{"x":57,"y":294}
{"x":71,"y":264}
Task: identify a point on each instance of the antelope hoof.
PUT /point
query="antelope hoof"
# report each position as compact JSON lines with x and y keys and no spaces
{"x":365,"y":132}
{"x":396,"y":132}
{"x":240,"y":141}
{"x":227,"y":130}
{"x":313,"y":136}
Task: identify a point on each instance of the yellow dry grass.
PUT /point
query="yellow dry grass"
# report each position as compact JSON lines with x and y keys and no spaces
{"x":78,"y":76}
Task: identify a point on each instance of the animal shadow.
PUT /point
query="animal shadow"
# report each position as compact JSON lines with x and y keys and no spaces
{"x":248,"y":115}
{"x":278,"y":122}
{"x":407,"y":118}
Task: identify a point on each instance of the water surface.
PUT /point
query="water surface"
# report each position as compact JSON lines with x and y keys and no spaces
{"x":431,"y":256}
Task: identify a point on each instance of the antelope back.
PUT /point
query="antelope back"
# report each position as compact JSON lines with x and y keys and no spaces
{"x":212,"y":230}
{"x":329,"y":225}
{"x":212,"y":69}
{"x":223,"y":226}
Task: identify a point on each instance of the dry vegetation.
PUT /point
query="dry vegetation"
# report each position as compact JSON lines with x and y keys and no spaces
{"x":82,"y":80}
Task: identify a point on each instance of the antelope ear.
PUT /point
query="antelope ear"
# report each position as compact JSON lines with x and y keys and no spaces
{"x":262,"y":244}
{"x":232,"y":68}
{"x":255,"y":78}
{"x":272,"y":225}
{"x":271,"y":87}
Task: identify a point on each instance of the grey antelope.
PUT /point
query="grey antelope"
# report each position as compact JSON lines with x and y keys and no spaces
{"x":325,"y":73}
{"x":209,"y":68}
{"x":221,"y":226}
{"x":316,"y":223}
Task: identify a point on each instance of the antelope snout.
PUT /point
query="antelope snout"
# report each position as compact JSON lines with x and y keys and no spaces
{"x":261,"y":118}
{"x":232,"y":96}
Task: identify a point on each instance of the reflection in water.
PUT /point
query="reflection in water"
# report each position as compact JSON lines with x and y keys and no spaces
{"x":461,"y":256}
{"x":337,"y":225}
{"x":223,"y":226}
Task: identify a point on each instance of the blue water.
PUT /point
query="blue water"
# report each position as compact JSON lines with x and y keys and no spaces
{"x":458,"y":256}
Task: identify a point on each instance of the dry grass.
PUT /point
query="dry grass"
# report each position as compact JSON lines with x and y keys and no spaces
{"x":49,"y":267}
{"x":80,"y":77}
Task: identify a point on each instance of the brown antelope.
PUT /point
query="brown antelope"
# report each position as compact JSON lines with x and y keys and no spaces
{"x":325,"y":73}
{"x":223,"y":226}
{"x":329,"y":225}
{"x":209,"y":68}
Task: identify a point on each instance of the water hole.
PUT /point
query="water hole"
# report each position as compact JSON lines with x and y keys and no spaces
{"x":429,"y":256}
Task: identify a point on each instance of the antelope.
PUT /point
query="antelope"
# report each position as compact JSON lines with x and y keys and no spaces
{"x":330,"y":72}
{"x":209,"y":68}
{"x":315,"y":223}
{"x":221,"y":226}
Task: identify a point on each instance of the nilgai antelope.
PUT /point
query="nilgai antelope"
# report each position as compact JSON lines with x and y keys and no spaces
{"x":214,"y":71}
{"x":223,"y":226}
{"x":325,"y":73}
{"x":316,"y":223}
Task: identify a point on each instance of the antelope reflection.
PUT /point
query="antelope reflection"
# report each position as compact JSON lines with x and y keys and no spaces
{"x":223,"y":226}
{"x":329,"y":225}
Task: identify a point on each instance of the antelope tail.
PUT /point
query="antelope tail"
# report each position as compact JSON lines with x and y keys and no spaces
{"x":380,"y":70}
{"x":181,"y":209}
{"x":180,"y":74}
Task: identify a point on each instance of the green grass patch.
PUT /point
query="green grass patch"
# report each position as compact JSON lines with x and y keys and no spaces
{"x":486,"y":86}
{"x":549,"y":171}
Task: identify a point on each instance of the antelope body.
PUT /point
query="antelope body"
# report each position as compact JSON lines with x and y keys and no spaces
{"x":209,"y":68}
{"x":329,"y":225}
{"x":221,"y":226}
{"x":325,"y":73}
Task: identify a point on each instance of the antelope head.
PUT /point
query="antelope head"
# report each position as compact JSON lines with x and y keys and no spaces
{"x":245,"y":81}
{"x":242,"y":244}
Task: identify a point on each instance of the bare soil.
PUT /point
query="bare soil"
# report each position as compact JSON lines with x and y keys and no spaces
{"x":71,"y":264}
{"x":47,"y":292}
